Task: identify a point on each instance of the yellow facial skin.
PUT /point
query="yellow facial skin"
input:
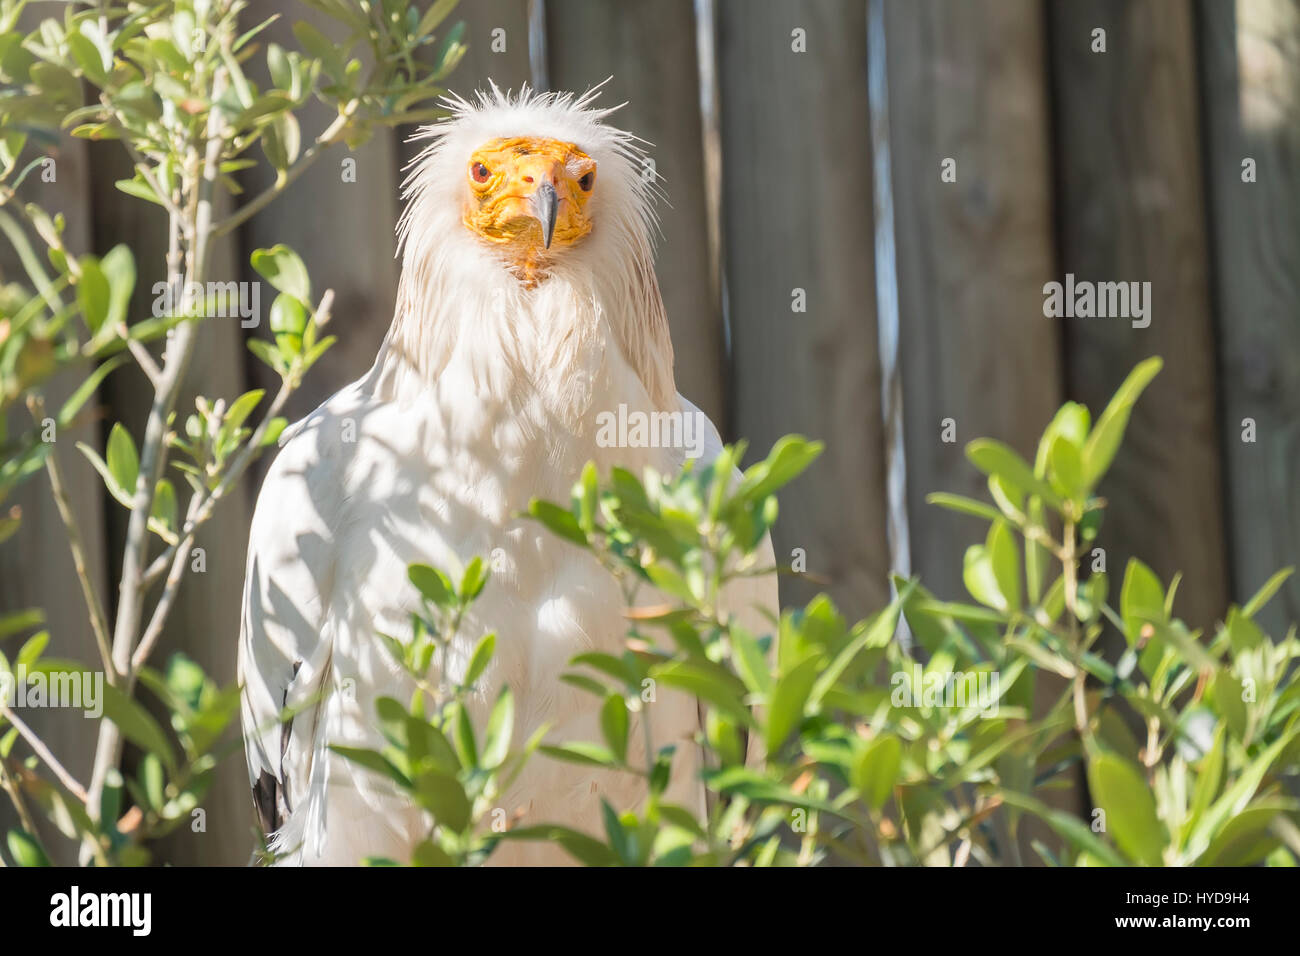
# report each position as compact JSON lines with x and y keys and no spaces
{"x":521,"y":188}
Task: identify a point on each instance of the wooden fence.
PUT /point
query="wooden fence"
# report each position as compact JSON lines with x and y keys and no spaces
{"x":822,"y":277}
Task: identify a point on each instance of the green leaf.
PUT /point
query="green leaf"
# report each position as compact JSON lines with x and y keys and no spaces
{"x":275,"y":149}
{"x":750,"y":662}
{"x":501,"y":724}
{"x":138,"y":189}
{"x":1104,"y":441}
{"x":321,"y":48}
{"x":875,"y":771}
{"x":450,"y":51}
{"x":1065,"y":468}
{"x":121,"y":458}
{"x":33,"y":648}
{"x":583,"y":848}
{"x":93,"y":293}
{"x":240,"y":409}
{"x":1228,"y":696}
{"x":621,"y":838}
{"x":119,"y":493}
{"x":614,"y":725}
{"x":164,"y":505}
{"x":1141,"y":599}
{"x":118,"y":267}
{"x":473,"y":579}
{"x":1069,"y":827}
{"x":281,"y":267}
{"x":1188,"y":647}
{"x":1004,"y":557}
{"x":463,"y":738}
{"x":87,"y":388}
{"x":277,"y":63}
{"x":996,"y":459}
{"x":433,"y":585}
{"x":25,"y":850}
{"x":288,"y":317}
{"x":786,"y":710}
{"x":443,"y":796}
{"x":433,"y":16}
{"x":964,"y":505}
{"x":1070,"y":422}
{"x":1264,"y":594}
{"x":288,"y":135}
{"x":15,"y":621}
{"x":876,"y":632}
{"x":480,"y":659}
{"x":710,"y":683}
{"x":373,"y":761}
{"x":665,"y":578}
{"x":1243,"y":633}
{"x":981,"y":580}
{"x":785,"y":462}
{"x":153,"y":781}
{"x":581,"y":752}
{"x":1120,"y":789}
{"x":1245,"y":839}
{"x":427,"y":853}
{"x":586,"y":494}
{"x":558,"y":521}
{"x":1237,"y":796}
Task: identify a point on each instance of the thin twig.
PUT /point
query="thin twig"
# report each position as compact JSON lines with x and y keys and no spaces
{"x":15,"y":792}
{"x":142,"y":166}
{"x":43,"y":752}
{"x":98,"y":619}
{"x":263,"y":199}
{"x":141,"y":355}
{"x":194,"y":521}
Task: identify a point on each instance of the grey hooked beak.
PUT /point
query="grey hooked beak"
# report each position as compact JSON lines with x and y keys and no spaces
{"x":545,"y":203}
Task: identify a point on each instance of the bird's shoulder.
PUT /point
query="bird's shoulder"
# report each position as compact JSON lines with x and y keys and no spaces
{"x":712,"y":444}
{"x":307,"y":483}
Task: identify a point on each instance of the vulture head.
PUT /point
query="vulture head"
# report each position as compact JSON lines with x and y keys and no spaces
{"x":529,"y":219}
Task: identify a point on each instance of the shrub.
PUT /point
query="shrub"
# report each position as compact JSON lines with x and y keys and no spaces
{"x":848,"y":763}
{"x":167,"y":82}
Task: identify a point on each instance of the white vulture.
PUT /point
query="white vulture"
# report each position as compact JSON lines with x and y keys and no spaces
{"x":527,"y":306}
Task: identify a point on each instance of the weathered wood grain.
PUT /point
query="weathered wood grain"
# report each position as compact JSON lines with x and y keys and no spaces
{"x":648,"y":48}
{"x":1131,"y":208}
{"x":967,"y":84}
{"x":797,"y":215}
{"x":1251,"y":87}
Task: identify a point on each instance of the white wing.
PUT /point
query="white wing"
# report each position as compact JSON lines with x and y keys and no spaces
{"x":284,"y":644}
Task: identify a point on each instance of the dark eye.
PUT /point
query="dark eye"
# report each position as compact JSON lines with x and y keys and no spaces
{"x":480,"y":173}
{"x":587,"y":181}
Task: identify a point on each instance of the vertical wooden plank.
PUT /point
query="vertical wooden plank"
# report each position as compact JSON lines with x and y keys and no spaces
{"x":648,"y":47}
{"x":1252,"y":97}
{"x":797,"y":215}
{"x":36,"y":567}
{"x":1131,"y":209}
{"x":967,"y":83}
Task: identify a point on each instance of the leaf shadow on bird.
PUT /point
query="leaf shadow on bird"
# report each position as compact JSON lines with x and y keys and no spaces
{"x":527,"y":307}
